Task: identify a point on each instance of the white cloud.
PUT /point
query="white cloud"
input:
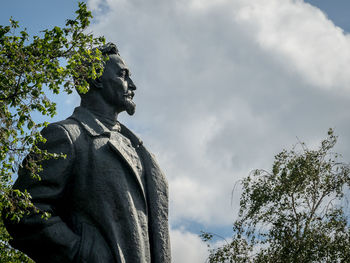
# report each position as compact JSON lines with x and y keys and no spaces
{"x":187,"y":247}
{"x":224,"y":85}
{"x":303,"y":36}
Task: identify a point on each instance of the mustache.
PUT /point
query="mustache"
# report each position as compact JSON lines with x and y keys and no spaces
{"x":129,"y":93}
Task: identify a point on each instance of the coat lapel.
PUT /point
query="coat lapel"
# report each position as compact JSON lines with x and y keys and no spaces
{"x":123,"y":148}
{"x":118,"y":144}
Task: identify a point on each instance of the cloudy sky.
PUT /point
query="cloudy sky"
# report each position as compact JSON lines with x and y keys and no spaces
{"x":223,"y":86}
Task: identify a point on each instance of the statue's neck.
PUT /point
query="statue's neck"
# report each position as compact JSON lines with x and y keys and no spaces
{"x":102,"y":111}
{"x":109,"y":122}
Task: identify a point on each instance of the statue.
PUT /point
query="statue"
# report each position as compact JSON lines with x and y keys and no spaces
{"x":108,"y":199}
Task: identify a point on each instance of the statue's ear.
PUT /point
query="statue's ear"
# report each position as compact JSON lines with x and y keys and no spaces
{"x":96,"y":83}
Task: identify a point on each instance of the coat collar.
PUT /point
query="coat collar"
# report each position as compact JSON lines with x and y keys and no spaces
{"x":90,"y":123}
{"x":96,"y":128}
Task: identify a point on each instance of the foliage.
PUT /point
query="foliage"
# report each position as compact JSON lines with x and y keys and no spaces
{"x":293,"y":213}
{"x":59,"y":59}
{"x":7,"y":253}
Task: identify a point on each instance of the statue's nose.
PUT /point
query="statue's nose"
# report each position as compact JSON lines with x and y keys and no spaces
{"x":131,"y":85}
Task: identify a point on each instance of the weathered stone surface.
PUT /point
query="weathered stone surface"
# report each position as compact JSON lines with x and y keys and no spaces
{"x":108,"y":199}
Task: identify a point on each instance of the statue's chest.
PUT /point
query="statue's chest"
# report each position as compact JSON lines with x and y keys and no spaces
{"x":114,"y":158}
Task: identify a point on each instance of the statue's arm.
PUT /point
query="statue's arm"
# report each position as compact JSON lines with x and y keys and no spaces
{"x":47,"y":240}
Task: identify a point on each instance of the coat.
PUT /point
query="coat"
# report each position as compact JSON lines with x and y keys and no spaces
{"x":106,"y":204}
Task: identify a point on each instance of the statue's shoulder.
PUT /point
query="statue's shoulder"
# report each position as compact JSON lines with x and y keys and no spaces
{"x":68,"y":124}
{"x":68,"y":127}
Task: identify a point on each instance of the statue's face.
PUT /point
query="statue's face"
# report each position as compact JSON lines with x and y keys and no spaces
{"x":117,"y":86}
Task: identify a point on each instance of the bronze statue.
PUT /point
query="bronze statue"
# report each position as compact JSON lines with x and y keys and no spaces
{"x":108,"y":199}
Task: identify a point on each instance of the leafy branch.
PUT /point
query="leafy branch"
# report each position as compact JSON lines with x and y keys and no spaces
{"x":56,"y":60}
{"x":294,"y":212}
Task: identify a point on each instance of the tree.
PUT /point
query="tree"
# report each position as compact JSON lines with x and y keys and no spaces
{"x":293,"y":213}
{"x":60,"y":59}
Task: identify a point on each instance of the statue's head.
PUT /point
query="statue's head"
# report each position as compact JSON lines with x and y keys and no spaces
{"x":115,"y":85}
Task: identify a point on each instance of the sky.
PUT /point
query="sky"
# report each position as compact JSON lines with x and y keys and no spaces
{"x":223,"y":86}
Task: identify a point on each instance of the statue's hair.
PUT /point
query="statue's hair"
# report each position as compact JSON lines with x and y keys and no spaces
{"x":108,"y":49}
